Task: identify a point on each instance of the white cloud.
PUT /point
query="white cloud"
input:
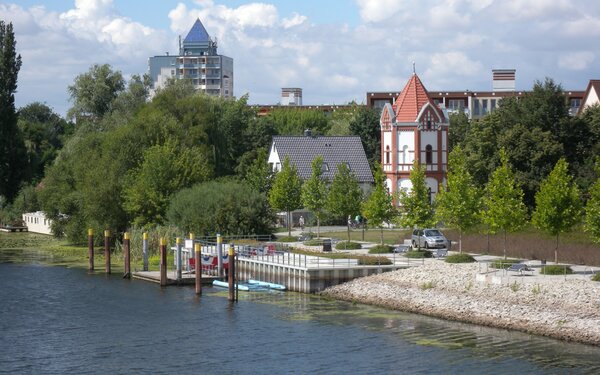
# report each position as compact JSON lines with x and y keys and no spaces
{"x":295,"y":20}
{"x":452,"y":64}
{"x":576,"y":60}
{"x":378,"y":10}
{"x":584,"y":26}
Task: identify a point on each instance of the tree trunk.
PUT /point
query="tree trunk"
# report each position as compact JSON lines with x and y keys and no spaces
{"x":556,"y":251}
{"x":289,"y":223}
{"x":504,"y":250}
{"x":318,"y":227}
{"x":460,"y":241}
{"x":348,"y":232}
{"x":381,"y":228}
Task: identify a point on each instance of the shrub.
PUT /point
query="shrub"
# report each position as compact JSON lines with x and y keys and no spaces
{"x":503,"y":263}
{"x":380,"y":249}
{"x":313,"y":242}
{"x":556,"y":269}
{"x":348,"y":245}
{"x":366,"y":260}
{"x":460,"y":258}
{"x":596,"y":277}
{"x":418,"y":254}
{"x":220,"y":207}
{"x":287,"y":239}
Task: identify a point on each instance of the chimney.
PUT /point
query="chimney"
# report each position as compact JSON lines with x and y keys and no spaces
{"x":503,"y":80}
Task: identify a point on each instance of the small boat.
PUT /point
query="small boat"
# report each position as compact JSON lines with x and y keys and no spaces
{"x":225,"y":284}
{"x":266,"y":284}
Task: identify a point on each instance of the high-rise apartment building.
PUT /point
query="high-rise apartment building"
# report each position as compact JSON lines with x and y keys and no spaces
{"x":197,"y":61}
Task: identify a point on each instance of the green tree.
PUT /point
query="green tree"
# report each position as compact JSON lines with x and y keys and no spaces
{"x":592,"y":208}
{"x":379,"y":208}
{"x":93,"y":92}
{"x":416,"y":209}
{"x":503,"y":207}
{"x":345,"y":195}
{"x":458,"y":129}
{"x":459,"y":204}
{"x":44,"y":133}
{"x":365,"y":124}
{"x":225,"y":206}
{"x":558,"y":205}
{"x":12,"y":149}
{"x":256,"y":171}
{"x":314,"y":191}
{"x":165,"y":170}
{"x":285,"y":194}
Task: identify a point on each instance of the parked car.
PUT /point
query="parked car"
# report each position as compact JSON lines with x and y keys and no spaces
{"x":429,"y":239}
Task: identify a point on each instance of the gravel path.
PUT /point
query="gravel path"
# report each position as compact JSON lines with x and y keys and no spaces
{"x":554,"y":306}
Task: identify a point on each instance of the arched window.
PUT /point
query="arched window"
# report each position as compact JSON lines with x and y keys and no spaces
{"x":428,"y":154}
{"x":387,"y":154}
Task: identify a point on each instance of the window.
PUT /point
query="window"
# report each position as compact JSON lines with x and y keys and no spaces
{"x":492,"y":105}
{"x":575,"y":103}
{"x":456,"y":104}
{"x":476,"y":107}
{"x":325,"y":167}
{"x":428,"y":154}
{"x":484,"y":106}
{"x":387,"y":154}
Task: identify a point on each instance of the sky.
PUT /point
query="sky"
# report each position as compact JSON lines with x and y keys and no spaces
{"x":335,"y":50}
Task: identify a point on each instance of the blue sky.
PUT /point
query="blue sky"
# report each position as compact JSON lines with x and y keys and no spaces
{"x":336,"y":50}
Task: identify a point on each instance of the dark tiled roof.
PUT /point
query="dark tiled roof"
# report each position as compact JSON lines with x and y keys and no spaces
{"x":197,"y":33}
{"x":335,"y":150}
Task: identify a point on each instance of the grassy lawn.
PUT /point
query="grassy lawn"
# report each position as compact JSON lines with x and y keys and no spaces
{"x":390,"y":236}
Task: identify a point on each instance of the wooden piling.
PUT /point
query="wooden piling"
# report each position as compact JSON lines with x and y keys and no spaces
{"x":107,"y":251}
{"x":91,"y":249}
{"x":198,"y":258}
{"x":127,"y":251}
{"x":230,"y":274}
{"x":163,"y":261}
{"x":179,"y":260}
{"x":145,"y":250}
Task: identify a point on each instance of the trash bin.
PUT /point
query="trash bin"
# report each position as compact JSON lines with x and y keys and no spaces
{"x":327,"y":245}
{"x":543,"y":262}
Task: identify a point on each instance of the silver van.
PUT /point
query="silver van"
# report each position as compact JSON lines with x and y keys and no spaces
{"x":429,"y":239}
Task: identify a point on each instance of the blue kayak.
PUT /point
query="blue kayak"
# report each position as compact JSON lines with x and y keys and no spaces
{"x":266,"y":284}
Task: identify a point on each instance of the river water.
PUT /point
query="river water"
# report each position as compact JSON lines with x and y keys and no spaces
{"x":57,"y":320}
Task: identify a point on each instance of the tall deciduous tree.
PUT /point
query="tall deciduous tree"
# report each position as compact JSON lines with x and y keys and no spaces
{"x":592,"y":209}
{"x":558,"y":205}
{"x":416,"y":208}
{"x":345,"y":195}
{"x":378,"y":208}
{"x":366,"y":125}
{"x":93,"y":92}
{"x":314,"y":191}
{"x":12,"y":149}
{"x":503,"y":207}
{"x":285,"y":194}
{"x":459,"y":204}
{"x":165,"y":170}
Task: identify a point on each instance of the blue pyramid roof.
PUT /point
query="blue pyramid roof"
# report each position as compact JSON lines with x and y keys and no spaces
{"x":197,"y":33}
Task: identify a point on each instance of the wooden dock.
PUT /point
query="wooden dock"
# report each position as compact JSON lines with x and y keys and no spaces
{"x":186,"y":278}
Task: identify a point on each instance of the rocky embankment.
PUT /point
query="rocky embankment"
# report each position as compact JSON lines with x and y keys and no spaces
{"x":553,"y":306}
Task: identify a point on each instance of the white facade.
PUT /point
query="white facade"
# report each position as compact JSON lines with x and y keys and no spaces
{"x":37,"y":222}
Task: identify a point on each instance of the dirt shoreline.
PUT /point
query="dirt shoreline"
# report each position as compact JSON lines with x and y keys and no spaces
{"x":552,"y":306}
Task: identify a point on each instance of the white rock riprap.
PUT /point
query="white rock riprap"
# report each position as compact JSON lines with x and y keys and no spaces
{"x":554,"y":306}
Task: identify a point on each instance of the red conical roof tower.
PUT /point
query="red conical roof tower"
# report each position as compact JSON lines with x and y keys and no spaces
{"x":411,"y":100}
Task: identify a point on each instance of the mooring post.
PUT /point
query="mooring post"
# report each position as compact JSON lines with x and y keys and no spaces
{"x":127,"y":251}
{"x":220,"y":255}
{"x":198,"y":266}
{"x":163,"y":261}
{"x":145,"y":250}
{"x":107,"y":250}
{"x":91,"y":249}
{"x":179,"y":261}
{"x":192,"y":254}
{"x":230,"y":273}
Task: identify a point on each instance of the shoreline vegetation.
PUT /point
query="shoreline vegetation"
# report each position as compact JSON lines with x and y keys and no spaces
{"x":552,"y":306}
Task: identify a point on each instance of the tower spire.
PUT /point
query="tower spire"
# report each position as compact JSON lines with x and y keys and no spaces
{"x":414,"y":70}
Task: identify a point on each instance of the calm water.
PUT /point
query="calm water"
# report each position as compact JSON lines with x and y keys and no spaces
{"x":56,"y":320}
